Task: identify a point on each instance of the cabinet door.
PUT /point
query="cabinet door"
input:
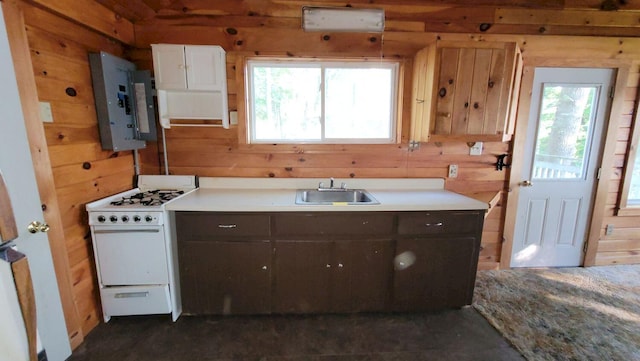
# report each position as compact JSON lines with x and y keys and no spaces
{"x":361,"y":275}
{"x":302,"y":272}
{"x":220,"y":277}
{"x":169,"y":67}
{"x":434,"y":273}
{"x":205,"y":67}
{"x":474,"y":95}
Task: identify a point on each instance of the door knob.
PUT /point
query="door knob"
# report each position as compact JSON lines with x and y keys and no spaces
{"x":35,"y":227}
{"x":526,"y":183}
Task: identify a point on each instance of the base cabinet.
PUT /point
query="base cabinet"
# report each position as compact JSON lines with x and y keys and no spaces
{"x":332,"y":276}
{"x":424,"y":282}
{"x":327,"y":262}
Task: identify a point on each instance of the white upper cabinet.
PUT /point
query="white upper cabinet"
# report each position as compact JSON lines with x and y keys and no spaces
{"x":205,"y":67}
{"x":169,"y":66}
{"x":191,"y":81}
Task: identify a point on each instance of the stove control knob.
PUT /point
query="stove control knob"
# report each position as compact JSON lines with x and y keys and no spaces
{"x":148,"y":219}
{"x":101,"y":219}
{"x":125,"y":219}
{"x":113,"y":219}
{"x":137,"y":218}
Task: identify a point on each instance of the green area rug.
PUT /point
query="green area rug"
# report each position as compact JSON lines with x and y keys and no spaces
{"x":565,"y":313}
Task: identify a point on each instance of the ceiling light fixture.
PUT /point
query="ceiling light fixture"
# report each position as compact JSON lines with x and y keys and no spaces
{"x":342,"y":19}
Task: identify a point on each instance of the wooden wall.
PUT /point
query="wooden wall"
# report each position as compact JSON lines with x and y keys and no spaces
{"x":82,"y":171}
{"x":622,"y":246}
{"x":61,"y":37}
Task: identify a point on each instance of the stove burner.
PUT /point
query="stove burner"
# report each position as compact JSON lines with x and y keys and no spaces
{"x":148,"y":198}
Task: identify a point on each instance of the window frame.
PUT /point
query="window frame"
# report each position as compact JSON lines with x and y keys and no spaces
{"x":624,"y":207}
{"x":396,"y":67}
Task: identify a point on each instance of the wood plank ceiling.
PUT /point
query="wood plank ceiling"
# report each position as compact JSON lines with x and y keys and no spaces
{"x":552,"y":17}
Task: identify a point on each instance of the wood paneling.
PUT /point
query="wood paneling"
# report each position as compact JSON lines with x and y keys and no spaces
{"x":78,"y":167}
{"x":15,"y":23}
{"x":93,"y":15}
{"x":59,"y":40}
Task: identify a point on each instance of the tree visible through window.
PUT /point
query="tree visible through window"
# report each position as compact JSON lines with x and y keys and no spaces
{"x":322,"y":102}
{"x":566,"y":119}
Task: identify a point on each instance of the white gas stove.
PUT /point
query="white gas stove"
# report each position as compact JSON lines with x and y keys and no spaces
{"x":135,"y":248}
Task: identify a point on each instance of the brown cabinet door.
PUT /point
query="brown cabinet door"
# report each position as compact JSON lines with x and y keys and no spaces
{"x":361,"y":276}
{"x":302,"y":272}
{"x":434,"y":273}
{"x":219,"y":277}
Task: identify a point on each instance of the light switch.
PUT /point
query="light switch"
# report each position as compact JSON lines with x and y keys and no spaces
{"x":45,"y":112}
{"x":476,"y":149}
{"x":233,"y":117}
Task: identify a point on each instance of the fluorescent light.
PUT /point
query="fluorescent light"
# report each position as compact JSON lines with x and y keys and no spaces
{"x":342,"y":19}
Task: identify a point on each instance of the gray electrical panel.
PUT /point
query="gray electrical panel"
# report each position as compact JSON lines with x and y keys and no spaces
{"x":124,"y":102}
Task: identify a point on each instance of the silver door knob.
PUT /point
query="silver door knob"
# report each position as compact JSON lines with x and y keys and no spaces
{"x":526,"y":183}
{"x":35,"y":227}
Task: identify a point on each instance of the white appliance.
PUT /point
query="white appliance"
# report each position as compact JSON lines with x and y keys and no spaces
{"x":135,"y":248}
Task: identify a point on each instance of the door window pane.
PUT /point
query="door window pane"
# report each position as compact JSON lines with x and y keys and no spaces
{"x":564,"y":131}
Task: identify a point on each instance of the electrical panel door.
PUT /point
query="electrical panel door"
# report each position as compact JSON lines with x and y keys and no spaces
{"x":124,"y":102}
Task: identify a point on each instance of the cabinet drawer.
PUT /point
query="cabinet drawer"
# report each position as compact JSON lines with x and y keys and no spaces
{"x":135,"y":300}
{"x":438,"y":222}
{"x":329,"y":224}
{"x":206,"y":224}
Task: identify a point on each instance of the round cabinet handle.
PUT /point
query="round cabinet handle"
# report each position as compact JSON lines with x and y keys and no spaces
{"x":328,"y":265}
{"x":227,"y":226}
{"x":439,"y":224}
{"x":340,"y":265}
{"x":264,"y":267}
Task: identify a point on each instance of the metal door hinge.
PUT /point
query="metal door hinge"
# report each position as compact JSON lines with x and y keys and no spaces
{"x":414,"y":145}
{"x":612,"y":92}
{"x":584,"y":247}
{"x":599,"y":173}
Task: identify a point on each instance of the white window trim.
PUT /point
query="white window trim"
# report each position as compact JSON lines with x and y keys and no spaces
{"x":323,"y":64}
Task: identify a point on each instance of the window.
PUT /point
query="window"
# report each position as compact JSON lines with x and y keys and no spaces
{"x":630,"y":195}
{"x":295,"y":101}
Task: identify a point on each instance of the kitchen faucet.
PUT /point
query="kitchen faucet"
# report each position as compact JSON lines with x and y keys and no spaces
{"x":343,"y":186}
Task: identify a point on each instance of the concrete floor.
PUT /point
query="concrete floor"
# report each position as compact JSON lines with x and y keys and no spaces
{"x":451,"y":335}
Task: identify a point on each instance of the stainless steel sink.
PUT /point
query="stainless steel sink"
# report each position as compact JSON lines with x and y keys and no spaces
{"x":331,"y":196}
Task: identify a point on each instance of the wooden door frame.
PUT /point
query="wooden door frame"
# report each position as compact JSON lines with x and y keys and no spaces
{"x":607,"y":153}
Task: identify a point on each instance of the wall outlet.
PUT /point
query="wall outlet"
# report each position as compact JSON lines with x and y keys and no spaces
{"x":453,"y":170}
{"x":609,"y":230}
{"x":476,"y":149}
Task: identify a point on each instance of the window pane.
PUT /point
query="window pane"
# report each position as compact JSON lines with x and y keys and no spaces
{"x":564,"y":131}
{"x":634,"y":189}
{"x":321,"y":101}
{"x":358,"y":103}
{"x":286,"y":102}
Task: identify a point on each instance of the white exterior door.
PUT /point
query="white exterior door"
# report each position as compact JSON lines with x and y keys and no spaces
{"x":17,"y":170}
{"x":569,"y":108}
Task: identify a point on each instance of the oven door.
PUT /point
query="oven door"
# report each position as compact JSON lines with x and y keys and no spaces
{"x":131,"y":255}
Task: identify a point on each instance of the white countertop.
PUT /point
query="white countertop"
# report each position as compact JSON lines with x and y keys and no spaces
{"x":279,"y":195}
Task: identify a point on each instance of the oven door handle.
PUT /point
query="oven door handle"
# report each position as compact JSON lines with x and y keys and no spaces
{"x":105,"y":231}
